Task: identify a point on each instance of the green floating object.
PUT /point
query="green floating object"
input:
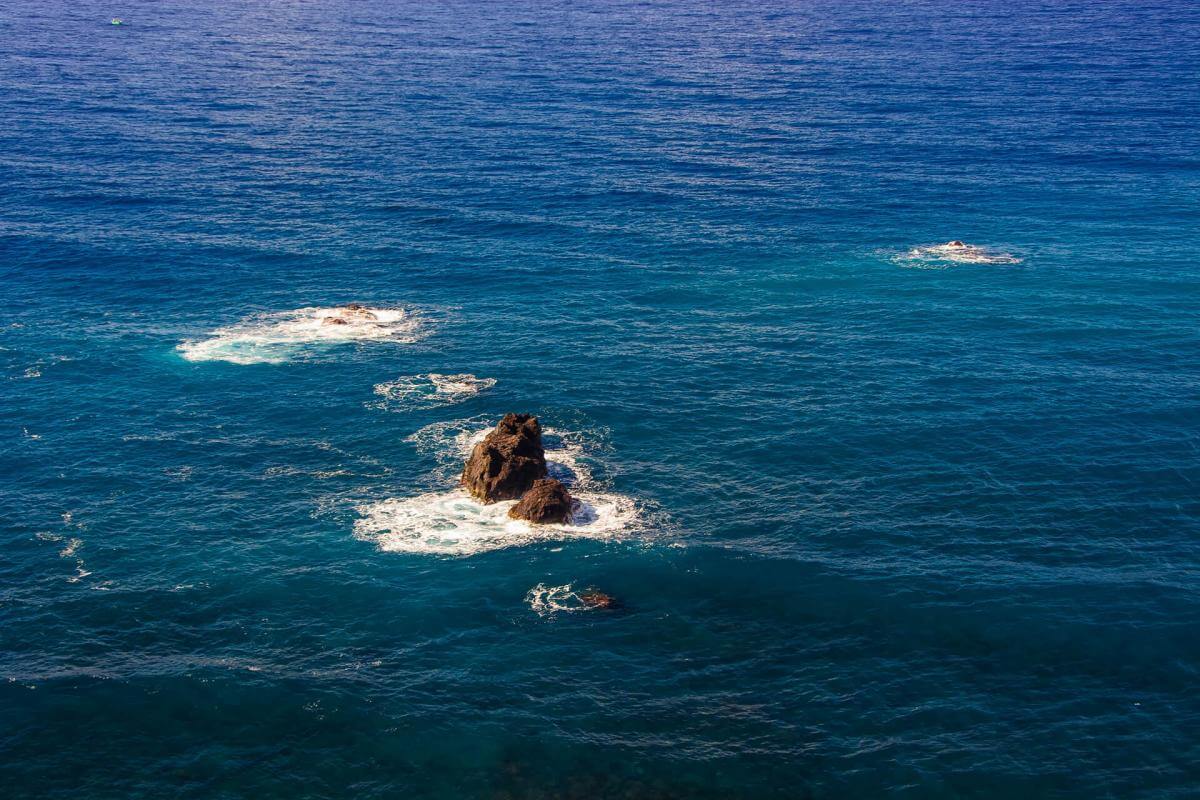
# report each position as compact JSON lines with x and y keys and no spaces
{"x":116,"y":20}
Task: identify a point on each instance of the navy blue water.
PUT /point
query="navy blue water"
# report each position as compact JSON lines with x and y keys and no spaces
{"x":902,"y":526}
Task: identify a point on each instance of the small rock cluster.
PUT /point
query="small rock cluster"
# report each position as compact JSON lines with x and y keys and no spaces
{"x":356,"y":311}
{"x":510,"y":464}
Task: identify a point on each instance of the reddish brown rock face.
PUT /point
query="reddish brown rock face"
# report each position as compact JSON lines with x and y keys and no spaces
{"x":547,"y":501}
{"x":593,"y":599}
{"x":505,"y":464}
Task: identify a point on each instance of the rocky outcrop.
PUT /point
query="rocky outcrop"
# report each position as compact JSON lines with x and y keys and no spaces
{"x":546,"y":502}
{"x":508,"y":461}
{"x":359,"y":311}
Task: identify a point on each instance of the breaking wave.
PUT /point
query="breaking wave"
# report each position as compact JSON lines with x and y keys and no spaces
{"x":429,"y":391}
{"x":956,"y":252}
{"x":547,"y":601}
{"x":279,"y":337}
{"x":70,"y":549}
{"x":455,"y":524}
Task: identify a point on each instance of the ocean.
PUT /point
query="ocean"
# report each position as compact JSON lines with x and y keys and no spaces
{"x":885,"y":517}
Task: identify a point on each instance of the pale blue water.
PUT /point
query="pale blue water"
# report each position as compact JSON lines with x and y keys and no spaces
{"x":883,"y":527}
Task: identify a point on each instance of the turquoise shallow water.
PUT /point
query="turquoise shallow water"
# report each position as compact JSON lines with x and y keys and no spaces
{"x":881,"y":525}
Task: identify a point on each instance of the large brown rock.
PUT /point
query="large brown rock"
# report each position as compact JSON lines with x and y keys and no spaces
{"x":507,"y":462}
{"x":547,"y":501}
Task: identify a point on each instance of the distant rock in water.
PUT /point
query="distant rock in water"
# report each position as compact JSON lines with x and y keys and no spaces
{"x":958,"y":251}
{"x":546,"y":502}
{"x":508,"y":461}
{"x":334,"y":321}
{"x":594,"y":599}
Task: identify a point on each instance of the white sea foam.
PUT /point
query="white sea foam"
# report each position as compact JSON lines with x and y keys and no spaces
{"x":289,"y":471}
{"x":455,"y":524}
{"x":941,"y":255}
{"x":429,"y":391}
{"x":36,"y":370}
{"x":70,"y":550}
{"x":282,"y":336}
{"x":549,"y":600}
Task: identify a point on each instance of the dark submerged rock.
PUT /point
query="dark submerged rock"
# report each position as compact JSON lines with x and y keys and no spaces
{"x":334,"y":321}
{"x":547,"y":501}
{"x":507,"y":462}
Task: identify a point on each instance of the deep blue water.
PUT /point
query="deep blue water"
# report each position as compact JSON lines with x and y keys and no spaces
{"x":884,"y":526}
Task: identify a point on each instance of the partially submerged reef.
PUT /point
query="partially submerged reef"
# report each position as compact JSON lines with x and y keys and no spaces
{"x":510,"y":464}
{"x":354,"y":311}
{"x":960,"y":252}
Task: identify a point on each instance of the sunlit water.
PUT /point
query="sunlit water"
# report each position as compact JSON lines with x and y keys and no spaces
{"x":886,"y":519}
